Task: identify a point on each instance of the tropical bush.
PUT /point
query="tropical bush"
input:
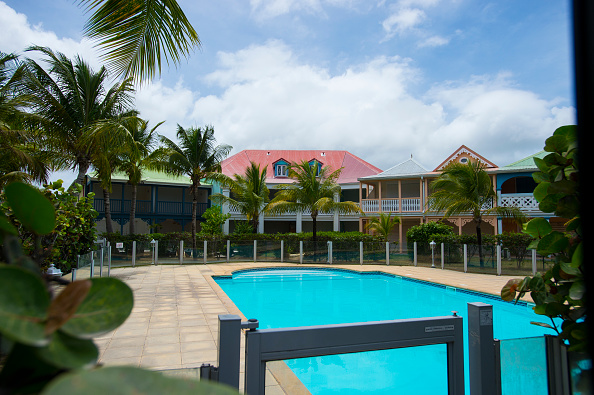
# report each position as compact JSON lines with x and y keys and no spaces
{"x":559,"y":293}
{"x":74,"y":233}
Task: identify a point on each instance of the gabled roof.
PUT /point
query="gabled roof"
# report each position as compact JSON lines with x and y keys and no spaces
{"x":526,"y":163}
{"x":353,"y":166}
{"x":467,"y":152}
{"x":407,"y":168}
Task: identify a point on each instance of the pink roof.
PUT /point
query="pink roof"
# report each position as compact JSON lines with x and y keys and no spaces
{"x":353,"y":167}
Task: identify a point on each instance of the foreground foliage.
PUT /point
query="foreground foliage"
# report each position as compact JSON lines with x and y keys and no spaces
{"x":48,"y":336}
{"x":559,"y":293}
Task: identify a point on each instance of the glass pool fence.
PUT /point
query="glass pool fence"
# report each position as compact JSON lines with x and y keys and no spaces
{"x":470,"y":258}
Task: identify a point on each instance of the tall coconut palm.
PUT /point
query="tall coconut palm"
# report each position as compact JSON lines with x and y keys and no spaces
{"x":136,"y":34}
{"x":313,"y":191}
{"x":383,"y":224}
{"x":467,"y":188}
{"x":137,"y":156}
{"x":249,"y":193}
{"x":21,"y":159}
{"x":76,"y":106}
{"x":196,"y":156}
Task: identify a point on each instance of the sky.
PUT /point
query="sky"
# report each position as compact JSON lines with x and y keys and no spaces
{"x":383,"y":79}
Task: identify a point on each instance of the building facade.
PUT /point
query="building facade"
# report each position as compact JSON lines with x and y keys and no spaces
{"x":163,"y":203}
{"x":277,"y":162}
{"x":403,"y":190}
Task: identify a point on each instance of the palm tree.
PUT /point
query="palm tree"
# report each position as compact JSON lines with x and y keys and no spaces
{"x":136,"y":34}
{"x":136,"y":157}
{"x":196,"y":156}
{"x":249,"y":193}
{"x":383,"y":224}
{"x":75,"y":107}
{"x":20,"y":157}
{"x":467,"y":188}
{"x":313,"y":191}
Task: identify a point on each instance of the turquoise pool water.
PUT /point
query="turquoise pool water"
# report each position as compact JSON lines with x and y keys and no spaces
{"x":292,"y":297}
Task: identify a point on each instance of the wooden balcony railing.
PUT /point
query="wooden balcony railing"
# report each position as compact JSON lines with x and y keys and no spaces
{"x":145,"y":207}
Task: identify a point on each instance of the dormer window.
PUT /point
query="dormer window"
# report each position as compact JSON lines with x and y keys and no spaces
{"x":281,"y":168}
{"x":315,"y":162}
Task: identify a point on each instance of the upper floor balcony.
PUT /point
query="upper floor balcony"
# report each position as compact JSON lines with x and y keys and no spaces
{"x":147,"y":207}
{"x":391,"y":205}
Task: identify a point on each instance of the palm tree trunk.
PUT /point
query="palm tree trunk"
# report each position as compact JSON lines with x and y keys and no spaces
{"x":83,"y":167}
{"x":479,"y":240}
{"x":107,"y":206}
{"x":314,"y":227}
{"x":132,"y":226}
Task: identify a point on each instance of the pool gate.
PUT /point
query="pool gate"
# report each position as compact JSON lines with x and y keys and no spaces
{"x":266,"y":345}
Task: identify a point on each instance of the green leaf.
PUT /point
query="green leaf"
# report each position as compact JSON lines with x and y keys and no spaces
{"x":67,"y":352}
{"x":127,"y":380}
{"x":6,"y":226}
{"x":542,"y":324}
{"x":107,"y":305}
{"x":23,"y":305}
{"x":577,"y":290}
{"x":31,"y":208}
{"x":541,"y":191}
{"x":538,"y":228}
{"x":508,"y":292}
{"x":553,"y":243}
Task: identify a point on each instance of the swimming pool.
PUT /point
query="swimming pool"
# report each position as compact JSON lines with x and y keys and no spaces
{"x":301,"y":297}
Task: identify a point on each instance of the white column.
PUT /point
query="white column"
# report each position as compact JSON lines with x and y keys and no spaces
{"x":336,"y":226}
{"x":225,"y":209}
{"x":298,"y":224}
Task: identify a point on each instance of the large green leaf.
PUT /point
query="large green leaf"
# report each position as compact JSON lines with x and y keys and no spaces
{"x":23,"y":305}
{"x":69,"y":352}
{"x":538,"y":228}
{"x":107,"y":305}
{"x":127,"y":380}
{"x":31,"y":208}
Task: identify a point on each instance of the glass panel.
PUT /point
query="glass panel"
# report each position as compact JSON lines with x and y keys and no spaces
{"x":168,"y":252}
{"x":414,"y":370}
{"x":524,"y":366}
{"x":580,"y":371}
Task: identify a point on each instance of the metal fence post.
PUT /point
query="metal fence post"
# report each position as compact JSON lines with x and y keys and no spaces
{"x":387,"y":253}
{"x":482,"y":350}
{"x":181,"y":252}
{"x":101,"y":262}
{"x":498,"y":259}
{"x":415,"y":253}
{"x":282,"y":251}
{"x":255,"y":250}
{"x":205,"y":249}
{"x":156,"y":252}
{"x":330,"y":252}
{"x":465,"y":258}
{"x":229,"y":346}
{"x":300,"y":251}
{"x":108,"y":260}
{"x":361,"y":253}
{"x":442,"y":255}
{"x":228,"y":250}
{"x":92,"y":265}
{"x":533,"y":262}
{"x":134,"y":253}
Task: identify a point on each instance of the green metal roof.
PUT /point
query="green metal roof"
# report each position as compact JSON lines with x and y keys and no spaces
{"x":156,"y":177}
{"x":526,"y":163}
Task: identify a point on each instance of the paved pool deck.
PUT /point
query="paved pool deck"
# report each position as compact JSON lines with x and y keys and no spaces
{"x":174,"y":322}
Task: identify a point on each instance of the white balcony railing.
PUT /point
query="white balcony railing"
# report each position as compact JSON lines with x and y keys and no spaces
{"x":391,"y":205}
{"x":523,"y":201}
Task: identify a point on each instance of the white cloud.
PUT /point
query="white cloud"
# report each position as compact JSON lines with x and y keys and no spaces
{"x":18,"y":34}
{"x":370,"y":111}
{"x":434,"y":41}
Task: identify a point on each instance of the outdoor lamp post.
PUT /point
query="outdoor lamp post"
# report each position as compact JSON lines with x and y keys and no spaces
{"x":153,"y":248}
{"x":432,"y":244}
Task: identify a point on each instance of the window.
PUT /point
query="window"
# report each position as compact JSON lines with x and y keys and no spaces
{"x":281,"y":171}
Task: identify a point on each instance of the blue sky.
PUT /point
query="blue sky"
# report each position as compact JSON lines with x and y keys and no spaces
{"x":382,"y":79}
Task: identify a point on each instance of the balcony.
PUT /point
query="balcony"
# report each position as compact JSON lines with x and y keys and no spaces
{"x":523,"y":201}
{"x":145,"y":207}
{"x":390,"y":205}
